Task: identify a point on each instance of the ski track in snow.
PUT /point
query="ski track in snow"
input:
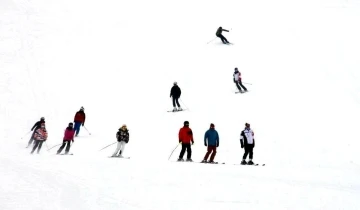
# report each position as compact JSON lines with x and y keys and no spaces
{"x":119,"y":60}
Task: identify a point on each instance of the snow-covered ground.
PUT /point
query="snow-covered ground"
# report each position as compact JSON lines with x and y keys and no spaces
{"x":119,"y":59}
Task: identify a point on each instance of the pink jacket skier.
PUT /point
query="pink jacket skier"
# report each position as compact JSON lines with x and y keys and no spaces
{"x":68,"y":137}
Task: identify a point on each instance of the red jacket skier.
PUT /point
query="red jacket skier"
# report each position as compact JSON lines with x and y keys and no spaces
{"x":185,"y":137}
{"x":79,"y":120}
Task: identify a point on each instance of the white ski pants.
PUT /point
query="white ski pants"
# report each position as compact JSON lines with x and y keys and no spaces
{"x":120,"y":147}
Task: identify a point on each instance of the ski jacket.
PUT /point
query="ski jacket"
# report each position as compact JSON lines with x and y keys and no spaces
{"x":37,"y":125}
{"x":220,"y":30}
{"x":40,"y":134}
{"x":123,"y":135}
{"x":175,"y":92}
{"x":237,"y":75}
{"x":247,"y":137}
{"x":80,"y":117}
{"x":69,"y":134}
{"x":186,"y":135}
{"x":211,"y":137}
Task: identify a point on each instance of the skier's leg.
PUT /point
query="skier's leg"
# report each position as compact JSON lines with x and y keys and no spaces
{"x":67,"y":147}
{"x":238,"y":86}
{"x":182,"y":152}
{"x":35,"y":146}
{"x":213,"y":148}
{"x":251,"y":148}
{"x":61,"y":148}
{"x":177,"y":102}
{"x":122,"y":148}
{"x":242,"y":85}
{"x":207,"y":153}
{"x":188,"y":151}
{"x":40,"y":145}
{"x":117,"y":149}
{"x":246,"y":152}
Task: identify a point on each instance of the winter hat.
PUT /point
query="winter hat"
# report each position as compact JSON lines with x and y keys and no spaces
{"x":236,"y":68}
{"x":186,"y":123}
{"x":175,"y":83}
{"x":82,"y":108}
{"x":212,"y":125}
{"x":42,"y":118}
{"x":71,"y":124}
{"x":247,"y":125}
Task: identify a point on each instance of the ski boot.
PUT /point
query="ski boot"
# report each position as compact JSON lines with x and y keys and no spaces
{"x":203,"y":161}
{"x":180,"y":160}
{"x":250,"y":162}
{"x":174,"y":110}
{"x":212,"y":162}
{"x":189,"y":160}
{"x":180,"y":109}
{"x":243,"y":162}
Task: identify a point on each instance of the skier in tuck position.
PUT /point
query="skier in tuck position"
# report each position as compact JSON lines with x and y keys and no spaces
{"x":175,"y":93}
{"x":219,"y":34}
{"x":248,"y":143}
{"x":237,"y":80}
{"x":34,"y":128}
{"x":40,"y":136}
{"x":185,"y":137}
{"x":68,"y":138}
{"x":122,"y":137}
{"x":211,"y":141}
{"x":79,"y":120}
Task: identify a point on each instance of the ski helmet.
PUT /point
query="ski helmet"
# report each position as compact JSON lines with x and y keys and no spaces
{"x":212,"y":125}
{"x":71,"y":124}
{"x":42,"y":118}
{"x":175,"y":83}
{"x":186,"y":123}
{"x":82,"y":108}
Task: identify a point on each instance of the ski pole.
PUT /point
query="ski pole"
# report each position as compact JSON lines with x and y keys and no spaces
{"x":211,"y":40}
{"x":184,"y":105}
{"x":54,"y":146}
{"x":173,"y":151}
{"x":109,"y":145}
{"x":87,"y":130}
{"x":26,"y":134}
{"x":247,"y":83}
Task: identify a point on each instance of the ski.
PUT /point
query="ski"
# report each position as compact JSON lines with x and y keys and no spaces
{"x":241,"y":92}
{"x":176,"y":110}
{"x":255,"y":164}
{"x":119,"y":157}
{"x":66,"y":154}
{"x":201,"y":162}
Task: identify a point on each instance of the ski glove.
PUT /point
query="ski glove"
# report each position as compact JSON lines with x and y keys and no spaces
{"x":205,"y":144}
{"x":179,"y":141}
{"x":192,"y":141}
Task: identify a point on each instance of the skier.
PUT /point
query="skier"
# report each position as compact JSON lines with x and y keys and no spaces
{"x":219,"y":34}
{"x":68,"y":136}
{"x":79,"y":120}
{"x":237,"y":80}
{"x":40,"y":136}
{"x":34,"y":128}
{"x":122,"y":137}
{"x":175,"y":93}
{"x":211,"y":141}
{"x":248,"y":143}
{"x":185,"y":137}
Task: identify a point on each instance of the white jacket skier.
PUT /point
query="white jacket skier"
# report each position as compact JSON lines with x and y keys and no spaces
{"x":247,"y":142}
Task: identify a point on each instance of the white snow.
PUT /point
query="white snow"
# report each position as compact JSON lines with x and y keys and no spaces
{"x":119,"y":59}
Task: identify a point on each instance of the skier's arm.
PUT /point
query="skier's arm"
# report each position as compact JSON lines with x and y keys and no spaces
{"x":84,"y":119}
{"x":218,"y":139}
{"x":34,"y":126}
{"x":205,"y":137}
{"x":242,"y":139}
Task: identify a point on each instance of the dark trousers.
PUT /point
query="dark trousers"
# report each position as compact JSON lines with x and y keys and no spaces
{"x":210,"y":150}
{"x":77,"y":126}
{"x":223,"y":39}
{"x":239,"y":85}
{"x":248,"y":150}
{"x":186,"y":147}
{"x":67,"y":143}
{"x":175,"y":100}
{"x":38,"y":145}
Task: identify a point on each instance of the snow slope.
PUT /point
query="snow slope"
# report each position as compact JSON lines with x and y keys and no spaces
{"x":119,"y":60}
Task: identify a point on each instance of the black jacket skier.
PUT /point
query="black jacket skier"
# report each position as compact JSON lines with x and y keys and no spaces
{"x":175,"y":93}
{"x":219,"y":34}
{"x":34,"y":128}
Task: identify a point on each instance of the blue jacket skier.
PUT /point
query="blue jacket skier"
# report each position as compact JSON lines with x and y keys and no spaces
{"x":211,"y":141}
